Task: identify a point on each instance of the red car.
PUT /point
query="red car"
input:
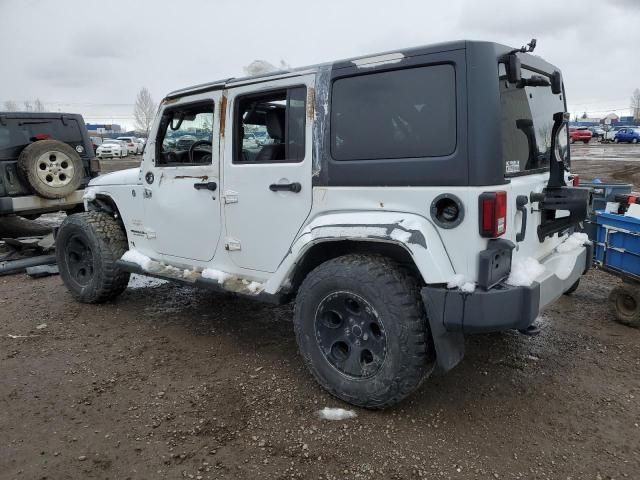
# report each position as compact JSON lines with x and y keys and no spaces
{"x":580,"y":135}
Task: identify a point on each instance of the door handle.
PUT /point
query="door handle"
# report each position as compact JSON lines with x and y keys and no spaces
{"x":521,"y":202}
{"x":294,"y":187}
{"x":206,"y":186}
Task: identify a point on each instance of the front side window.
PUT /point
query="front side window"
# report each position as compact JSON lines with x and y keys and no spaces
{"x":185,"y":135}
{"x":397,"y":114}
{"x":270,"y":127}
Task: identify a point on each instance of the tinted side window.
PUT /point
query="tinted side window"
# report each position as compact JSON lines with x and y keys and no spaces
{"x":270,"y":127}
{"x":397,"y":114}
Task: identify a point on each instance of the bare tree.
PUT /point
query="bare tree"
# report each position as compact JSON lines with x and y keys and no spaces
{"x":27,"y":106}
{"x":10,"y":106}
{"x":38,"y":106}
{"x":144,"y":111}
{"x":635,"y":104}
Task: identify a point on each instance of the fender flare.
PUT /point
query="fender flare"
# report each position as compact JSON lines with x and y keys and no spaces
{"x":414,"y":233}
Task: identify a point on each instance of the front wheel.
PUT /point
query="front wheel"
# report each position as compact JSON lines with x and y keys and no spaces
{"x":88,"y":245}
{"x":635,"y":140}
{"x":586,"y":141}
{"x":362,"y":330}
{"x":615,"y":140}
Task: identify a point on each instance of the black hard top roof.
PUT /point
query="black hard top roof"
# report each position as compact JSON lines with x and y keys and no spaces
{"x":223,"y":83}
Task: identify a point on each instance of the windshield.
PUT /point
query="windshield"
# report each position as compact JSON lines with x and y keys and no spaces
{"x":526,"y":124}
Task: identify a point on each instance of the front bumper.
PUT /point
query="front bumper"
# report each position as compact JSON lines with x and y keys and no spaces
{"x":453,"y":313}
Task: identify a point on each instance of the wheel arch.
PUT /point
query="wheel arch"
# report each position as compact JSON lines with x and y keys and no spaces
{"x":409,"y":239}
{"x":326,"y":250}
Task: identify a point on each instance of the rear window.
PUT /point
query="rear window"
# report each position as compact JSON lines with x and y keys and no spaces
{"x":526,"y":124}
{"x":397,"y":114}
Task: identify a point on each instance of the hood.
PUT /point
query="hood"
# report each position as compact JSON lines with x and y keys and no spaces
{"x":130,"y":176}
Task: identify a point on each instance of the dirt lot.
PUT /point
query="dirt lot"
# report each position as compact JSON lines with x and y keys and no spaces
{"x":171,"y":382}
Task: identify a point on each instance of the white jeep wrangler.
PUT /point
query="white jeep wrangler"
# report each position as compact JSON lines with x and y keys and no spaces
{"x":402,"y":200}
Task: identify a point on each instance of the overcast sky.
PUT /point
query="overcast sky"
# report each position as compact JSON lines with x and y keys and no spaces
{"x":92,"y":57}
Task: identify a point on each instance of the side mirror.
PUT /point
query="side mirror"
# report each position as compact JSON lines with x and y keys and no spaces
{"x":556,"y":83}
{"x":513,"y":67}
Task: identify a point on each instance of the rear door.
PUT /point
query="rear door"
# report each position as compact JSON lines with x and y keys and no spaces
{"x":267,"y":185}
{"x":527,"y":123}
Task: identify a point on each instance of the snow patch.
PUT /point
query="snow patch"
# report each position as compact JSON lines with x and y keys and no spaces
{"x":401,"y":235}
{"x":144,"y":262}
{"x":371,"y":62}
{"x":255,"y":287}
{"x":140,"y":281}
{"x":524,"y":272}
{"x":461,"y":282}
{"x":89,"y":195}
{"x":575,"y":241}
{"x":213,"y":274}
{"x":336,"y":414}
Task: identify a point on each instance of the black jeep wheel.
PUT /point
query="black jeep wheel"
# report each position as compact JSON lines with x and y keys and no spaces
{"x":362,"y":330}
{"x":626,"y":303}
{"x":52,"y":168}
{"x":87,"y":247}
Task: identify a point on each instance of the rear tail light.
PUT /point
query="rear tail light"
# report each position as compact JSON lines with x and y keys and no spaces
{"x":40,"y":136}
{"x":131,"y":144}
{"x":493,"y":214}
{"x":576,"y":180}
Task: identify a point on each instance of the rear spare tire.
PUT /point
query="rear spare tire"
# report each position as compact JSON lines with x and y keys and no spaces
{"x":52,"y":168}
{"x":87,"y":247}
{"x":362,"y":330}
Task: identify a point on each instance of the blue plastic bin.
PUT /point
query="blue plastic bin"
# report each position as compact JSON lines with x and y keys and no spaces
{"x":618,"y":243}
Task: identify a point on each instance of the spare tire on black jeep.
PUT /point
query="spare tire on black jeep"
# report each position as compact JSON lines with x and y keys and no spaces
{"x":52,"y":168}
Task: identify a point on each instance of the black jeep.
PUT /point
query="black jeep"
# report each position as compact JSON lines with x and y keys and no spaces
{"x":46,"y":160}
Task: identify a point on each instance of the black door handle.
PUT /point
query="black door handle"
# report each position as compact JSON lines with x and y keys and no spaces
{"x":294,"y":187}
{"x":521,"y":202}
{"x":206,"y":186}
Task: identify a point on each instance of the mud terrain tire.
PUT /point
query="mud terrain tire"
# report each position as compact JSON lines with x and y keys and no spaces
{"x":52,"y":168}
{"x":345,"y":309}
{"x":87,"y":247}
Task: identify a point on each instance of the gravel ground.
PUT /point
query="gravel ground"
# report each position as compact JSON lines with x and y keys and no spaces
{"x":172,"y":382}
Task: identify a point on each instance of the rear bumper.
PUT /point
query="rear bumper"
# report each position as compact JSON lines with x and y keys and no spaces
{"x":453,"y":313}
{"x":31,"y":204}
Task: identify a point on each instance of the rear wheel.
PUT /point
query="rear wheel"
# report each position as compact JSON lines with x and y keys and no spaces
{"x":52,"y":168}
{"x":635,"y":140}
{"x":362,"y":330}
{"x":87,"y":246}
{"x":586,"y":141}
{"x":626,"y":303}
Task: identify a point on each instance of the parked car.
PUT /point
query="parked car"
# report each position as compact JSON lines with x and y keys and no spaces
{"x":96,"y":142}
{"x":141,"y":143}
{"x":185,"y":141}
{"x":597,"y":132}
{"x":627,"y":135}
{"x":112,"y":148}
{"x":580,"y":135}
{"x":610,"y":133}
{"x":46,"y":160}
{"x":133,"y":146}
{"x":386,"y":279}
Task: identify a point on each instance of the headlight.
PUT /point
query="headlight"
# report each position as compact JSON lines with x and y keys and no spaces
{"x":79,"y":148}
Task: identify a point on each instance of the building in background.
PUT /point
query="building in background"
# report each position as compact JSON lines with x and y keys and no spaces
{"x":103,"y":128}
